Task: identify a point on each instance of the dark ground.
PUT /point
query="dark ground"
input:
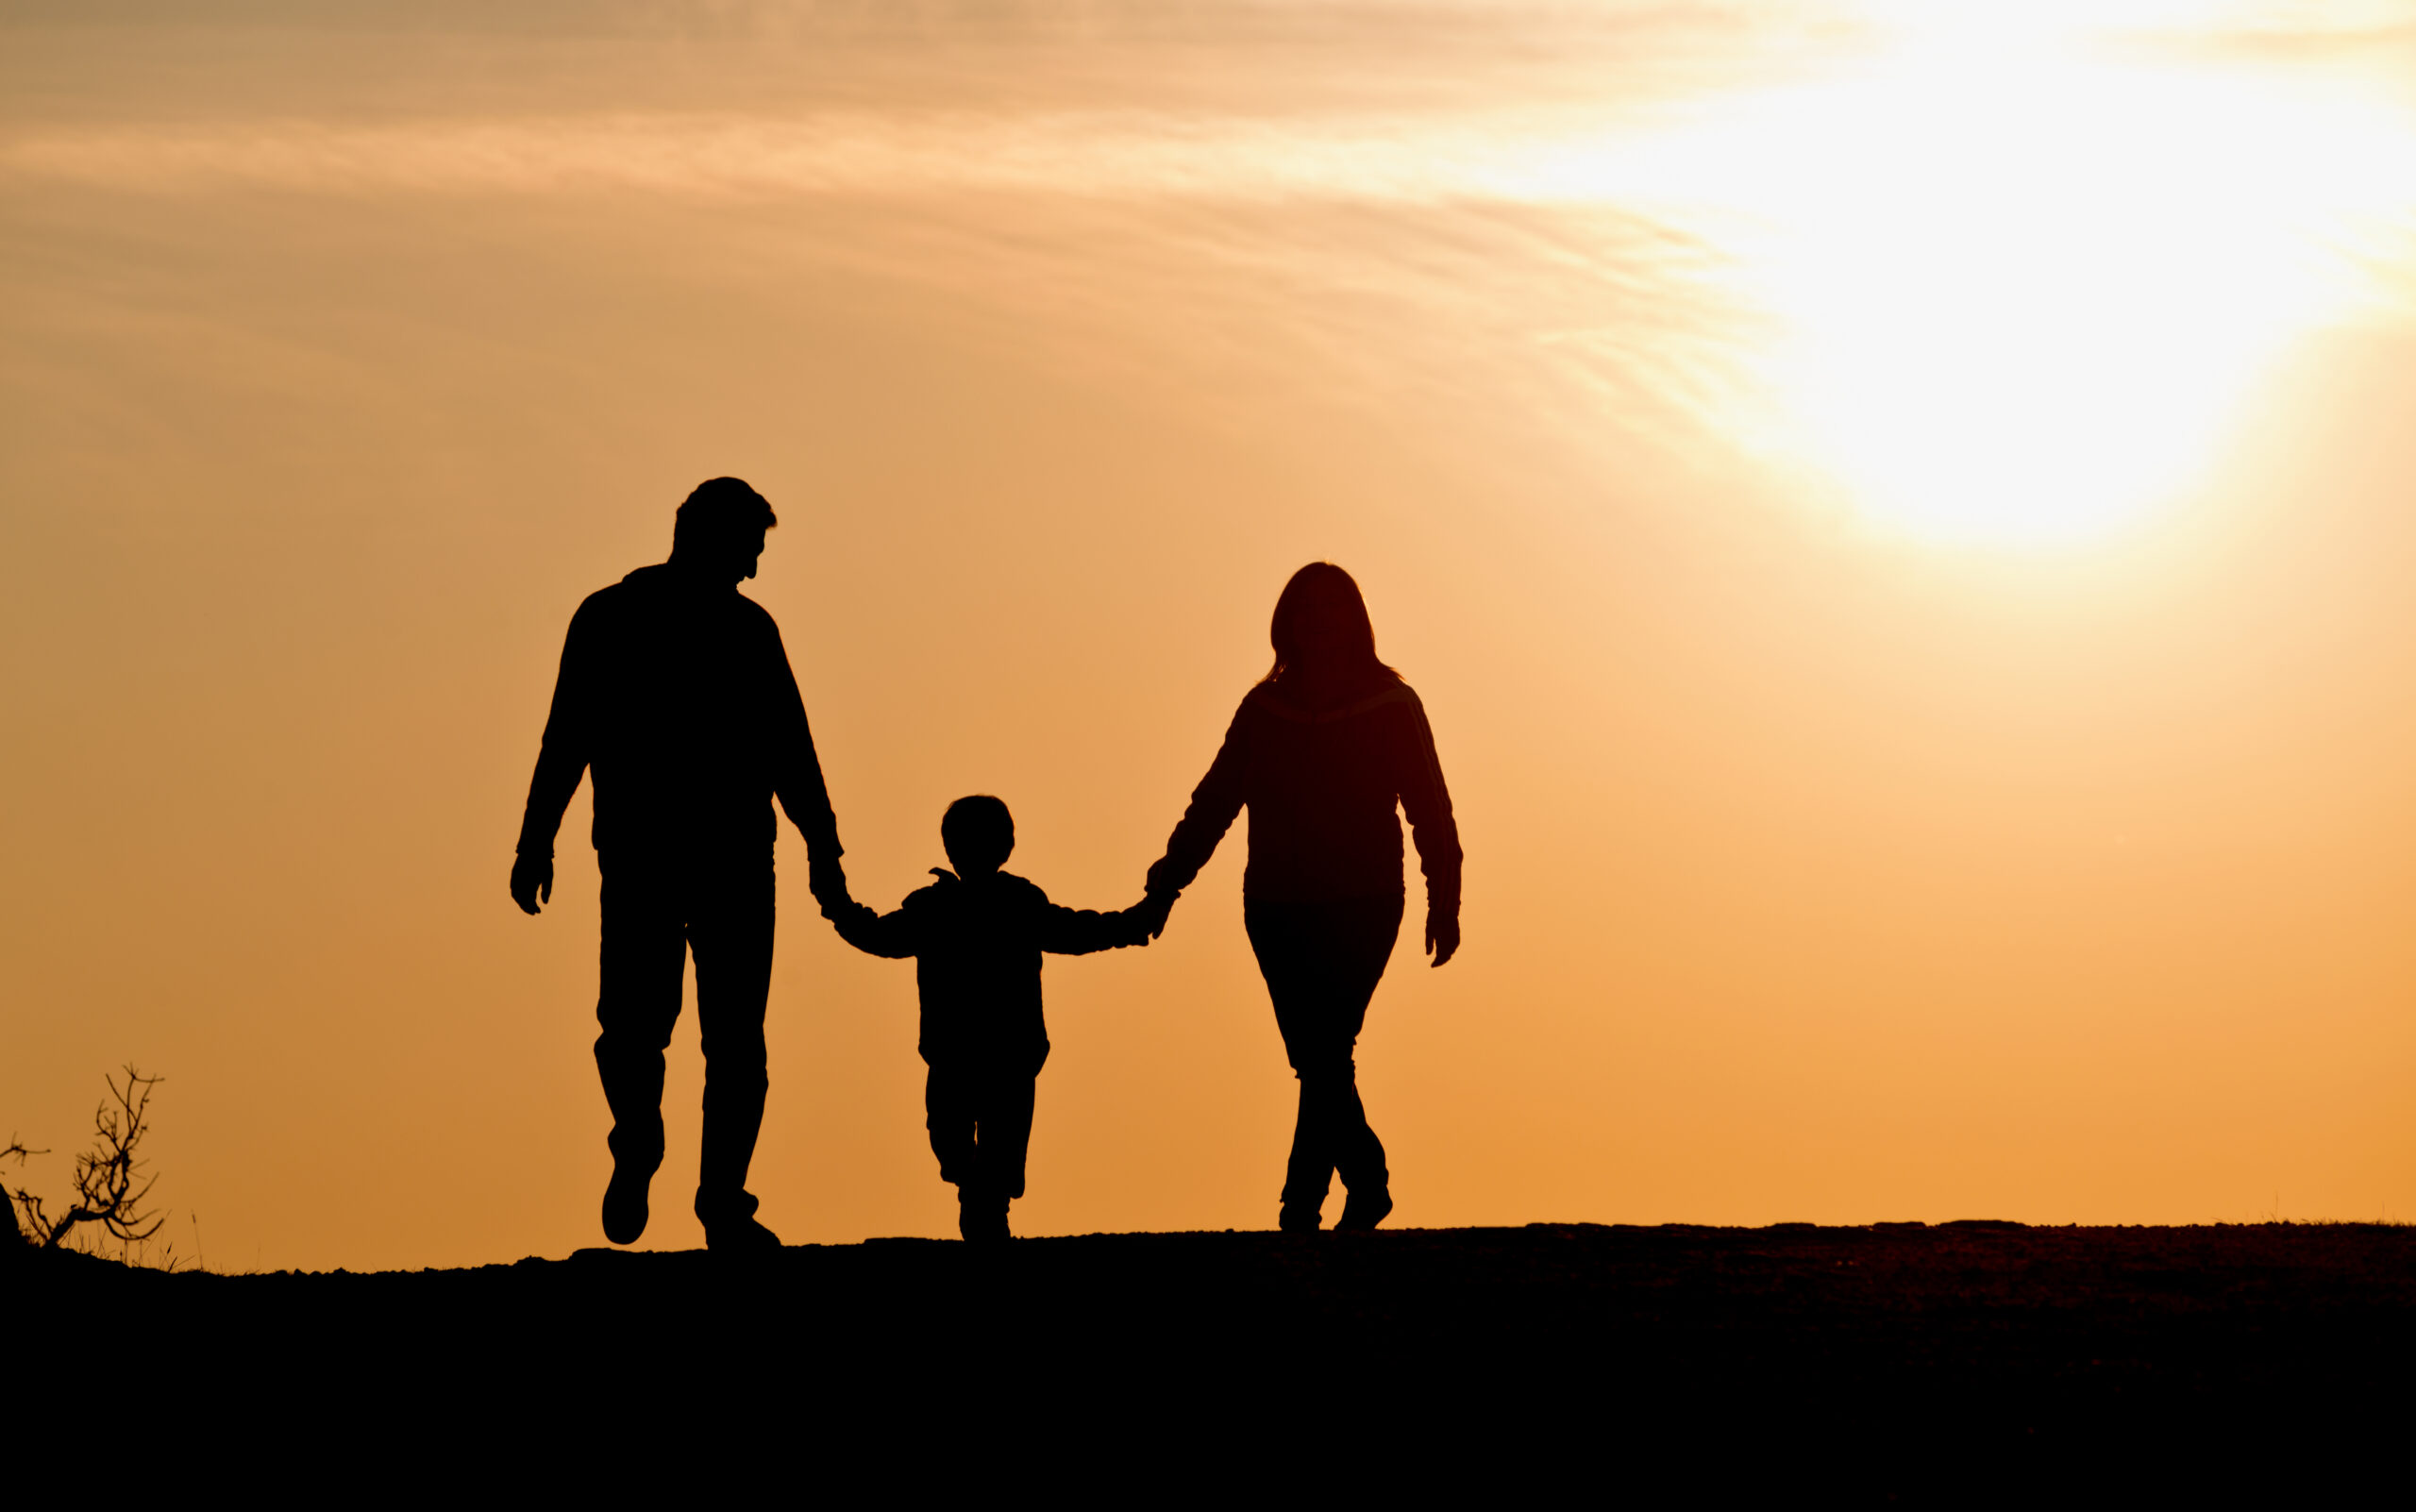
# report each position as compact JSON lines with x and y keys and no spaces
{"x":1894,"y":1362}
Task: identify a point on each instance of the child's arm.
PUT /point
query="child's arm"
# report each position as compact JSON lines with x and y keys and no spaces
{"x":1080,"y":930}
{"x":884,"y":935}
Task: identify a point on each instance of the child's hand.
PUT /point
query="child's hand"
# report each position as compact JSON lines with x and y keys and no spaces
{"x":857,"y":923}
{"x":848,"y":915}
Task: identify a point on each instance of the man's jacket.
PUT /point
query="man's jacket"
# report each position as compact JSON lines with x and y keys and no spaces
{"x":676,"y":692}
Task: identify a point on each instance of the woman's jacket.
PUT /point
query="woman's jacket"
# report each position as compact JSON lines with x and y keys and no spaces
{"x":1320,"y":789}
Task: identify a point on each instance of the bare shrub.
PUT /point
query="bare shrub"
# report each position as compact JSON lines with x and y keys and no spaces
{"x":110,"y":1185}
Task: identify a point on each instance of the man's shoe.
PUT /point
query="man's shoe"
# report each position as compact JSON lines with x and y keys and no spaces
{"x":1364,"y":1212}
{"x":1299,"y":1217}
{"x":625,"y":1204}
{"x":741,"y":1236}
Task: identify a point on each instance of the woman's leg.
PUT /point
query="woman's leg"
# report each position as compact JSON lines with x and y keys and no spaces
{"x":1322,"y":962}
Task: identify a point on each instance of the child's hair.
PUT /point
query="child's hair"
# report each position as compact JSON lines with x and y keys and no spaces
{"x":979,"y":833}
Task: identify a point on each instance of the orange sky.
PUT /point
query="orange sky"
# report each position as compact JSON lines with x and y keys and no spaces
{"x":1843,"y":843}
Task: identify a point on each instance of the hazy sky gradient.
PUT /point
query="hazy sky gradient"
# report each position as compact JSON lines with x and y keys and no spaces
{"x":1835,"y":851}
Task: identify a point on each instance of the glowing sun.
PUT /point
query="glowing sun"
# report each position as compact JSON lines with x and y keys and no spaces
{"x":2018,"y":294}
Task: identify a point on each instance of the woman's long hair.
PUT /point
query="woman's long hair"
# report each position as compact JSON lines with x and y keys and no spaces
{"x":1323,"y":579}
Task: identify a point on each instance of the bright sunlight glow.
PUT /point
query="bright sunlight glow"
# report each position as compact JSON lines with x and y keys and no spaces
{"x":2019,"y":292}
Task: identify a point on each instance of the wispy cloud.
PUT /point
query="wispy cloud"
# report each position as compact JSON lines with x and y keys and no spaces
{"x":1125,"y":153}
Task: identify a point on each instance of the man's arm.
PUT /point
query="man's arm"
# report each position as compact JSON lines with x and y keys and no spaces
{"x":797,"y":774}
{"x":563,"y":757}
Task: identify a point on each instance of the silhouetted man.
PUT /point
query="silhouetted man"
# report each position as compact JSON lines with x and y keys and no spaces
{"x":676,"y":692}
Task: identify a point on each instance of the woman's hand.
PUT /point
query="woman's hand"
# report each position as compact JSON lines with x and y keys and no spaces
{"x":1442,"y":936}
{"x":1153,"y":911}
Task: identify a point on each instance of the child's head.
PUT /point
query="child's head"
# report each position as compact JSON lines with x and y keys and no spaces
{"x":979,"y":833}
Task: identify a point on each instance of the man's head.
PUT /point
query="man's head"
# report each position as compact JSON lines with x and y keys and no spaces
{"x":979,"y":835}
{"x":719,"y":529}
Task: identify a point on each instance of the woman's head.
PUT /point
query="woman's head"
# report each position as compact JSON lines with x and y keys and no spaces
{"x":1320,"y":618}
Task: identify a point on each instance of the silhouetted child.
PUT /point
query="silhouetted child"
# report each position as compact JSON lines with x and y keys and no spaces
{"x":976,"y":935}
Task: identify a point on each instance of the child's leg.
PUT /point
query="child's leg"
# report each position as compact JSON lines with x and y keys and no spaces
{"x":948,"y":1112}
{"x":1001,"y":1111}
{"x":1007,"y":1098}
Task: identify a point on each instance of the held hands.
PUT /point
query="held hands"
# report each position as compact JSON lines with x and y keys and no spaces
{"x":855,"y":922}
{"x":1150,"y":913}
{"x":1442,"y":936}
{"x":828,"y":881}
{"x":532,"y":877}
{"x":1146,"y":920}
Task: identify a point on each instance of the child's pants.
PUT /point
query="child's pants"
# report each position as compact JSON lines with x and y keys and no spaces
{"x":980,"y":1118}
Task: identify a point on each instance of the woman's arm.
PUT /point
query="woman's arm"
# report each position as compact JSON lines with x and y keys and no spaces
{"x":1428,"y":802}
{"x":1213,"y":805}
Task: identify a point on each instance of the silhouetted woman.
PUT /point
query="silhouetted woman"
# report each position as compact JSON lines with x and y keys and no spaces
{"x":1319,"y":752}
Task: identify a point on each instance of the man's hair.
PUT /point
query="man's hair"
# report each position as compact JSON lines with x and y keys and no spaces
{"x":977,"y":832}
{"x":720,"y":508}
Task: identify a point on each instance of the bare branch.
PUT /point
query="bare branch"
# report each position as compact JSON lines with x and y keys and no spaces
{"x":109,"y":1183}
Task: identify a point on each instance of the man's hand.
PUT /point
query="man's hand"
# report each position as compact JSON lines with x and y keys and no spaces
{"x":532,"y":877}
{"x":1442,"y":936}
{"x":828,"y":881}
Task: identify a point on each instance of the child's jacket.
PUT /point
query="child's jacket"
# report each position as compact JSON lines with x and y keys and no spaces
{"x":977,"y":961}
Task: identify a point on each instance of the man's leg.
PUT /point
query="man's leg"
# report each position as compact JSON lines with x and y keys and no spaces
{"x":644,"y":949}
{"x":731,"y":932}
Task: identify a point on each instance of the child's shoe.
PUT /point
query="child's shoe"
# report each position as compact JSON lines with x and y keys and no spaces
{"x":981,"y":1222}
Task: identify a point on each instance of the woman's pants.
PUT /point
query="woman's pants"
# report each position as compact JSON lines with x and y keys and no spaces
{"x":1322,"y":962}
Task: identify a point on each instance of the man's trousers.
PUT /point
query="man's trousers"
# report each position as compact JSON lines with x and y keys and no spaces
{"x":657,"y":909}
